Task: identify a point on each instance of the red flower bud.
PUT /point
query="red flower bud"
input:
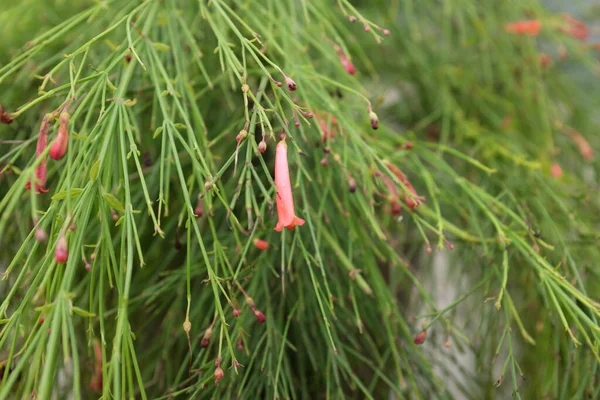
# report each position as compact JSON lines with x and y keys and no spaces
{"x":352,"y":18}
{"x":61,"y":253}
{"x":40,"y":170}
{"x":387,"y":32}
{"x":260,"y":317}
{"x":262,"y":146}
{"x":236,"y":312}
{"x":59,"y":147}
{"x":528,"y":27}
{"x":420,"y":337}
{"x":374,"y":120}
{"x":5,"y":118}
{"x":219,"y":373}
{"x":556,"y":171}
{"x":290,"y":83}
{"x":261,"y":244}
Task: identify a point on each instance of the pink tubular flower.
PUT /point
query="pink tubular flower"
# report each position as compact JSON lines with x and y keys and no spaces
{"x":42,"y":143}
{"x":575,"y":28}
{"x":526,"y":27}
{"x":347,"y":64}
{"x":59,"y":147}
{"x":284,"y":199}
{"x":61,"y":254}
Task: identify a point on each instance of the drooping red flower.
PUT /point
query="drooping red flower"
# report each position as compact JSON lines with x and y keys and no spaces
{"x":575,"y":28}
{"x":61,"y":253}
{"x":526,"y":27}
{"x":413,"y":200}
{"x":59,"y":147}
{"x":42,"y":143}
{"x":556,"y":171}
{"x":285,"y":201}
{"x":261,"y":244}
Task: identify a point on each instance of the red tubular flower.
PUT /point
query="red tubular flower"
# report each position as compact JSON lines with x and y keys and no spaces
{"x":413,"y":200}
{"x":59,"y":147}
{"x":527,"y":27}
{"x":284,"y":199}
{"x":61,"y":254}
{"x":556,"y":171}
{"x":575,"y":28}
{"x":261,"y":244}
{"x":42,"y":143}
{"x":347,"y":64}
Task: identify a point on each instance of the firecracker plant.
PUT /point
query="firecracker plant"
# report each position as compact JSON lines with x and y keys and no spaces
{"x":298,"y":199}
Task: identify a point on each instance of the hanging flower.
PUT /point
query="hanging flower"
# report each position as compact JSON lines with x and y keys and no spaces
{"x":61,"y":254}
{"x":575,"y":28}
{"x":284,"y":199}
{"x":59,"y":147}
{"x":40,"y":170}
{"x":526,"y":27}
{"x":261,"y":244}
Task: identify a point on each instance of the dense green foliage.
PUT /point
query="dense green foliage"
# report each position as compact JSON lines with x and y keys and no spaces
{"x":160,"y":200}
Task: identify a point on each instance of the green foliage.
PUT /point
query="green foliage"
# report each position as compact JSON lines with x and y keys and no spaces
{"x":160,"y":203}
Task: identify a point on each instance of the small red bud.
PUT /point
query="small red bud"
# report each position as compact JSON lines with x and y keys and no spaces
{"x":367,"y":28}
{"x":207,"y":185}
{"x":236,"y":312}
{"x":556,"y":171}
{"x":61,"y":254}
{"x":260,"y":317}
{"x":5,"y":118}
{"x":218,"y":373}
{"x":420,"y":337}
{"x":324,"y":161}
{"x":352,"y":18}
{"x":386,"y":32}
{"x":351,"y":184}
{"x":40,"y":235}
{"x":88,"y":267}
{"x":374,"y":120}
{"x":290,"y":83}
{"x":260,"y":244}
{"x":262,"y":146}
{"x":241,"y":136}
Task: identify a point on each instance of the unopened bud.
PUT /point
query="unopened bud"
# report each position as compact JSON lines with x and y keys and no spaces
{"x":5,"y":118}
{"x":245,"y":88}
{"x":374,"y":120}
{"x":262,"y":146}
{"x":187,"y":326}
{"x":351,"y":184}
{"x":367,"y":28}
{"x":40,"y":235}
{"x":352,"y":18}
{"x":261,"y":244}
{"x":241,"y":136}
{"x":386,"y":32}
{"x":290,"y":83}
{"x":218,"y":373}
{"x":236,"y":312}
{"x":61,"y":253}
{"x":260,"y":317}
{"x":556,"y":171}
{"x":420,"y":337}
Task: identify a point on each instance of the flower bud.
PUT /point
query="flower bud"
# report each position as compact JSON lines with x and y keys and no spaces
{"x":59,"y":147}
{"x":241,"y":136}
{"x":352,"y":18}
{"x":290,"y":83}
{"x":386,"y":32}
{"x":5,"y":118}
{"x":556,"y":171}
{"x":420,"y":337}
{"x":260,"y":244}
{"x":374,"y":120}
{"x":260,"y":317}
{"x":236,"y":312}
{"x":61,"y":253}
{"x":219,"y":373}
{"x":262,"y":146}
